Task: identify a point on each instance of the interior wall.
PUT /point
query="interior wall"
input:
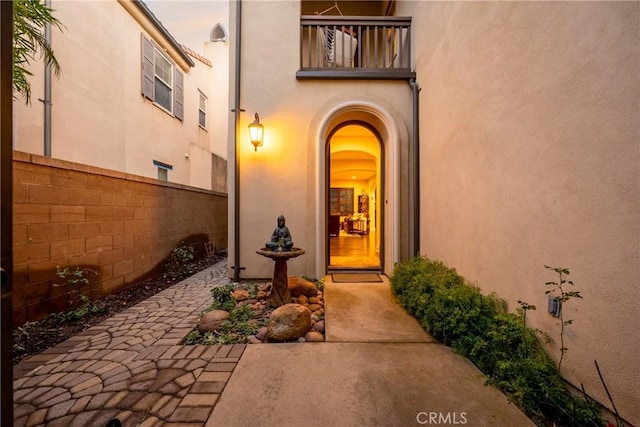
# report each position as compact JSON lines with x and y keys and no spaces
{"x":530,"y":157}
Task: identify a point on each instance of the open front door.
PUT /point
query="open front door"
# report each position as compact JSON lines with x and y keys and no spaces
{"x":354,"y":214}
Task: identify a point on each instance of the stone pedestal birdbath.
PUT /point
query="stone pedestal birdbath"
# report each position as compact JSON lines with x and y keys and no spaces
{"x":280,"y":294}
{"x":280,"y":249}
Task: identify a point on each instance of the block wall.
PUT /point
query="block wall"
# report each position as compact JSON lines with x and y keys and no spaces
{"x":122,"y":226}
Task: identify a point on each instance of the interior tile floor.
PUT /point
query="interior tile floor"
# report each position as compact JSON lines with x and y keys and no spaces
{"x":353,"y":251}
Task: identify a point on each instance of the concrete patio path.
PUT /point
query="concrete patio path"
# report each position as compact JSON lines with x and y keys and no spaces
{"x":377,"y":368}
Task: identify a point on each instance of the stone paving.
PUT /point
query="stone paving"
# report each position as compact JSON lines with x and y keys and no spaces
{"x":131,"y":367}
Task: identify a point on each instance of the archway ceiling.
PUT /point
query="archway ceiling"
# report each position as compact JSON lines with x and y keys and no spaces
{"x":354,"y":152}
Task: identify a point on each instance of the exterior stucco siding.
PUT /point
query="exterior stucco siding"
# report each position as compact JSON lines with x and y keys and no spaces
{"x":530,"y":156}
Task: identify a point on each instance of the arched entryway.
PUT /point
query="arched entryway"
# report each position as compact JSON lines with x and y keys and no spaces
{"x":355,"y":180}
{"x":389,"y":136}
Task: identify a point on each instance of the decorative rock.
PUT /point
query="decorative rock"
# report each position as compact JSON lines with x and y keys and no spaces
{"x":253,"y":340}
{"x":314,"y":317}
{"x":251,"y":301}
{"x":314,"y":307}
{"x":314,"y":300}
{"x":212,"y":320}
{"x":262,"y":333}
{"x":299,"y":286}
{"x":265,"y":287}
{"x":314,"y":336}
{"x":240,"y":294}
{"x":301,"y":339}
{"x":288,"y":322}
{"x":319,"y":326}
{"x":302,"y":300}
{"x":262,"y":295}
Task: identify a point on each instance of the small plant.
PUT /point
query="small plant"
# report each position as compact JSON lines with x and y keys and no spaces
{"x":192,"y":338}
{"x":559,"y":291}
{"x":21,"y":335}
{"x":319,"y":283}
{"x":241,"y":313}
{"x":180,"y":255}
{"x":78,"y":281}
{"x":524,"y":306}
{"x":222,"y":298}
{"x":252,"y":288}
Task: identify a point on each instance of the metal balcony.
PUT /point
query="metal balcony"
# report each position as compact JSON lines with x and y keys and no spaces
{"x":355,"y":47}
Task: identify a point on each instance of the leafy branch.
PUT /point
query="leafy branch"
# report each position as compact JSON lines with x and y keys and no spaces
{"x":562,"y":296}
{"x":29,"y":20}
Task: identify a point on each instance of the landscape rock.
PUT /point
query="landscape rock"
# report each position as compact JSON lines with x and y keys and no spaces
{"x":315,"y":300}
{"x":314,"y":307}
{"x":265,"y":287}
{"x":288,"y":322}
{"x":299,"y":286}
{"x":240,"y":294}
{"x":319,"y":326}
{"x":314,"y":336}
{"x":262,"y":295}
{"x":262,"y":333}
{"x":251,"y":339}
{"x":211,"y":321}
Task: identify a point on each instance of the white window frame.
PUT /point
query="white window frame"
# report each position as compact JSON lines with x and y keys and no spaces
{"x":202,"y":109}
{"x":150,"y":54}
{"x":162,"y":80}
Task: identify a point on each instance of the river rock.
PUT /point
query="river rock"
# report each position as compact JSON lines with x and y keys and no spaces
{"x":319,"y":326}
{"x":299,"y":286}
{"x":315,"y":300}
{"x":288,"y":322}
{"x":265,"y":287}
{"x":240,"y":294}
{"x":314,"y":307}
{"x":314,"y":336}
{"x":253,"y":340}
{"x":211,"y":321}
{"x":262,"y":333}
{"x":262,"y":295}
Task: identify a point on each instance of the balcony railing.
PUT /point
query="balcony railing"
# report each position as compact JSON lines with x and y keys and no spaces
{"x":355,"y":47}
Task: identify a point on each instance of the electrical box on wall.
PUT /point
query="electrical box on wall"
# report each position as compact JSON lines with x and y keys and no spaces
{"x":555,"y":306}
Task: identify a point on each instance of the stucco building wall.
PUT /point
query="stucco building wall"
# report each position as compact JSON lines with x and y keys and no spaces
{"x":285,"y":175}
{"x":99,"y":116}
{"x":121,"y":225}
{"x":529,"y":137}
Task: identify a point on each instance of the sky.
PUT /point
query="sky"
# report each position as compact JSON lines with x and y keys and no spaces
{"x":191,"y":21}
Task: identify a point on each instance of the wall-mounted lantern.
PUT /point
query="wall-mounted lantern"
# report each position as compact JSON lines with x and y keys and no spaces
{"x":256,"y":130}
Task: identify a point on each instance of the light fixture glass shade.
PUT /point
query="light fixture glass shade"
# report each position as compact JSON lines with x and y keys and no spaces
{"x":256,"y":130}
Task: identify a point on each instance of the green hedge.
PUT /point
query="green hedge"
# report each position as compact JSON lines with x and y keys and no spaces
{"x":479,"y":327}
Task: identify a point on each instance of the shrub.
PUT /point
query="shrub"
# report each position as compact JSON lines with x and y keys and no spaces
{"x":180,"y":255}
{"x":222,"y":299}
{"x":499,"y":343}
{"x":80,"y":303}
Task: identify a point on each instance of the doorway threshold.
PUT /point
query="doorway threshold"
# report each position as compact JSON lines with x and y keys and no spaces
{"x":354,"y":270}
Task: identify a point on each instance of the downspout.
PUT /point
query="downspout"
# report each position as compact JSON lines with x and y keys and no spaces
{"x":47,"y":92}
{"x":414,"y":223}
{"x":236,"y":180}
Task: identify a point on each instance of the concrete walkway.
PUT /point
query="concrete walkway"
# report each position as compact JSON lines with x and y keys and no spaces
{"x":377,"y":368}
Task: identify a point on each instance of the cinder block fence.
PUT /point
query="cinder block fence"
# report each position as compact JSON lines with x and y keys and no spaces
{"x":120,"y":225}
